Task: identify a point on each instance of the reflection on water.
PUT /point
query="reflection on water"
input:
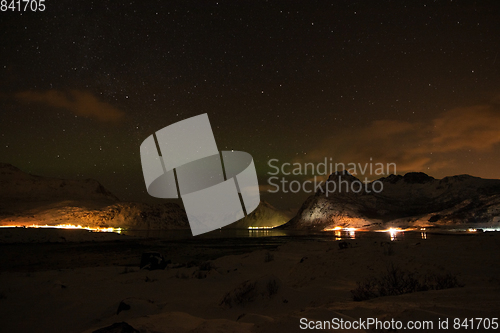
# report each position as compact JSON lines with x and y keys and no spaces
{"x":392,"y":234}
{"x":266,"y":233}
{"x":219,"y":233}
{"x":342,"y":233}
{"x":334,"y":234}
{"x":352,"y":233}
{"x":245,"y":233}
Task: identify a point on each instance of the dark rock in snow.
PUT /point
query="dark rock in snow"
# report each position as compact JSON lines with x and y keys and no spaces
{"x":153,"y":260}
{"x":122,"y":307}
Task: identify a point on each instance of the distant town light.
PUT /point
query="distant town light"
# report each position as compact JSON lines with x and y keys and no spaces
{"x":66,"y":226}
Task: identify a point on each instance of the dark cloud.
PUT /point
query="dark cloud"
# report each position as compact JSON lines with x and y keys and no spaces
{"x":476,"y":127}
{"x":419,"y":145}
{"x":79,"y":102}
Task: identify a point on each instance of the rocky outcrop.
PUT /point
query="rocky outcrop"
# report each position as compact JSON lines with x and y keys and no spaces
{"x":130,"y":215}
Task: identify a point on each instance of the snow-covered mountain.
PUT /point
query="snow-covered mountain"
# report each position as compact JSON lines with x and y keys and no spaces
{"x":414,"y":199}
{"x":27,"y":199}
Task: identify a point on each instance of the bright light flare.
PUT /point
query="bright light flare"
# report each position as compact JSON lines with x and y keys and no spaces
{"x":65,"y":226}
{"x":393,"y":232}
{"x":333,"y":229}
{"x":338,"y":231}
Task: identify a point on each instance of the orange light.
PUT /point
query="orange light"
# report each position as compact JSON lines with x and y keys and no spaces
{"x":65,"y":226}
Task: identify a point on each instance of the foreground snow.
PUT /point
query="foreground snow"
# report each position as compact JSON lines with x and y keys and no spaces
{"x":299,"y":279}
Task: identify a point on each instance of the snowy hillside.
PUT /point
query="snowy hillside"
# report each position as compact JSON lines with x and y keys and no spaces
{"x":27,"y":199}
{"x":414,"y":199}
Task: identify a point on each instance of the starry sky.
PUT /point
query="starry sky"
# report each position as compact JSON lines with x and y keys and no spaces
{"x":417,"y":83}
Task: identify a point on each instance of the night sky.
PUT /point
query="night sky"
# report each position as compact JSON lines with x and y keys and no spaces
{"x":417,"y":83}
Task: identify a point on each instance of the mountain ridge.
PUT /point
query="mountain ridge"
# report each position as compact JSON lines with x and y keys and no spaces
{"x":27,"y":199}
{"x":415,"y":199}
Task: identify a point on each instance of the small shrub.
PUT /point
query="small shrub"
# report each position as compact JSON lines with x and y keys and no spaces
{"x":200,"y":274}
{"x":446,"y":281}
{"x":192,"y":263}
{"x":366,"y":289}
{"x":148,"y":279}
{"x":249,"y":291}
{"x":397,"y":281}
{"x":388,"y":248}
{"x":268,"y":257}
{"x":245,"y":292}
{"x":127,"y":270}
{"x":272,"y":287}
{"x":181,"y":275}
{"x":344,"y":245}
{"x":206,"y":266}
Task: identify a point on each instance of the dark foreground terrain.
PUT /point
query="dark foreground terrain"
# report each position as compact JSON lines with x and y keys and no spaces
{"x":249,"y":284}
